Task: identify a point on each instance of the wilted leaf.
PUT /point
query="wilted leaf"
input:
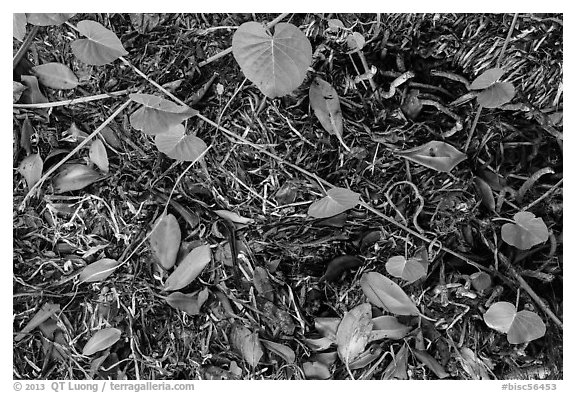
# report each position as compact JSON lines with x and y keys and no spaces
{"x":487,"y":79}
{"x":431,"y":363}
{"x":388,"y":327}
{"x":385,"y":293}
{"x":276,"y":64}
{"x":337,"y":201}
{"x":409,"y":270}
{"x":435,"y":155}
{"x":473,"y":365}
{"x":316,"y":370}
{"x":111,"y":138}
{"x":261,"y":282}
{"x":281,"y":350}
{"x":480,"y":281}
{"x":74,"y":177}
{"x":353,"y":332}
{"x":179,"y":146}
{"x":189,"y":268}
{"x":47,"y":310}
{"x":397,"y":367}
{"x":485,"y":193}
{"x":520,"y":327}
{"x":495,"y":96}
{"x":32,"y":94}
{"x":101,"y":46}
{"x":235,"y":218}
{"x":55,"y":76}
{"x":98,"y":155}
{"x":48,"y":19}
{"x":526,"y":232}
{"x":158,"y":115}
{"x":17,"y":90}
{"x":19,"y":26}
{"x":325,"y":102}
{"x":31,"y":169}
{"x":144,"y":23}
{"x":355,"y":42}
{"x":74,"y":134}
{"x":190,"y":303}
{"x":165,"y":240}
{"x":101,"y":340}
{"x":99,"y":270}
{"x":339,"y":265}
{"x":247,"y":343}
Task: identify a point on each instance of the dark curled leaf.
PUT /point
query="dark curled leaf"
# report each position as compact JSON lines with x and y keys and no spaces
{"x":485,"y":193}
{"x":435,"y":155}
{"x":339,"y":265}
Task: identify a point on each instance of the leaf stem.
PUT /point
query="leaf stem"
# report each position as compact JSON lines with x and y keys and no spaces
{"x":25,"y":46}
{"x":506,"y":41}
{"x":73,"y":101}
{"x":471,"y":132}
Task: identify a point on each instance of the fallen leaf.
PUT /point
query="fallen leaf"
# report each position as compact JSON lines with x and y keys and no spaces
{"x":158,"y":115}
{"x":353,"y":332}
{"x":495,"y":96}
{"x":355,"y":42}
{"x":388,"y":327}
{"x":32,"y":94}
{"x":262,"y":284}
{"x":31,"y":168}
{"x":98,"y":155}
{"x":26,"y":133}
{"x":45,"y":312}
{"x":55,"y":76}
{"x":144,"y":23}
{"x":337,"y":201}
{"x":339,"y":265}
{"x":179,"y":146}
{"x":366,"y":357}
{"x":99,"y":270}
{"x":235,"y":218}
{"x":398,"y":365}
{"x":281,"y":350}
{"x":17,"y":90}
{"x":74,"y":177}
{"x":189,"y":268}
{"x":527,"y":231}
{"x":487,"y":79}
{"x":409,"y":270}
{"x":325,"y":103}
{"x":385,"y":293}
{"x":327,"y":326}
{"x":431,"y":363}
{"x":480,"y":281}
{"x":247,"y":343}
{"x":485,"y":193}
{"x":101,"y":340}
{"x":473,"y":365}
{"x":190,"y":303}
{"x":316,"y":370}
{"x":165,"y":240}
{"x":48,"y":19}
{"x":436,"y":155}
{"x":319,"y":344}
{"x":19,"y":26}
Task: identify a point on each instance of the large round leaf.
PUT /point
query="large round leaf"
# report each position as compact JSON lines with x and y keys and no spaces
{"x":527,"y":231}
{"x":55,"y":76}
{"x":101,"y":46}
{"x":520,"y":327}
{"x":179,"y":146}
{"x":496,"y":95}
{"x":48,"y":19}
{"x":277,"y":63}
{"x":337,"y":201}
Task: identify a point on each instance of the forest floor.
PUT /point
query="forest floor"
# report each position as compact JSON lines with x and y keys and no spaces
{"x":281,"y":291}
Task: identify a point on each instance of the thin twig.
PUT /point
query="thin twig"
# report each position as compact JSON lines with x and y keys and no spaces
{"x":229,"y":50}
{"x":543,"y":196}
{"x":506,"y":41}
{"x":471,"y":133}
{"x":76,"y":150}
{"x":25,"y":46}
{"x":73,"y":101}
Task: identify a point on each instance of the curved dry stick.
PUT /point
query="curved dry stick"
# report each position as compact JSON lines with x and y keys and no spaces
{"x":457,"y":127}
{"x":403,"y":78}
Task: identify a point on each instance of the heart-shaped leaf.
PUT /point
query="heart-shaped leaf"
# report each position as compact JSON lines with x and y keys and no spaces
{"x":435,"y":155}
{"x":495,"y":96}
{"x":353,"y":332}
{"x":99,"y":270}
{"x":526,"y":232}
{"x":409,"y":270}
{"x":19,"y":26}
{"x":98,"y":155}
{"x":55,"y":76}
{"x":385,"y":293}
{"x":165,"y":240}
{"x":281,"y":350}
{"x":158,"y":115}
{"x":32,"y":94}
{"x":48,"y":19}
{"x":179,"y":146}
{"x":101,"y":340}
{"x":481,"y":281}
{"x":31,"y":169}
{"x":388,"y":327}
{"x":74,"y":177}
{"x":101,"y":46}
{"x":276,"y":64}
{"x":325,"y":103}
{"x":337,"y":201}
{"x":189,"y":268}
{"x":520,"y":327}
{"x":247,"y":343}
{"x":486,"y":79}
{"x":190,"y":303}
